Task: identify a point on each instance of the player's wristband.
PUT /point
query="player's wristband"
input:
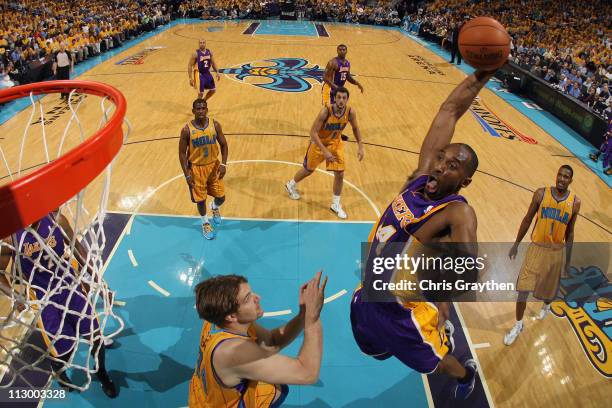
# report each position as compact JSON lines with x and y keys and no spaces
{"x":188,"y":177}
{"x":223,"y":164}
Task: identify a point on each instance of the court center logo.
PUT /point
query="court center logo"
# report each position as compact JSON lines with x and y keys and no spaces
{"x":278,"y":74}
{"x":588,"y":307}
{"x":492,"y":124}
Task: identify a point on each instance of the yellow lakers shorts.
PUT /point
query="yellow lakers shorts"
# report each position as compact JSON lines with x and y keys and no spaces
{"x":327,"y":96}
{"x":541,"y":272}
{"x":314,"y":156}
{"x":207,"y":182}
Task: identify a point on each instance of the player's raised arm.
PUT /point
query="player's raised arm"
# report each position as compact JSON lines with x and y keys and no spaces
{"x":314,"y":133}
{"x":538,"y":195}
{"x":328,"y":76}
{"x":192,"y":61}
{"x":443,"y":126}
{"x":276,"y":339}
{"x":183,"y":149}
{"x":357,"y":133}
{"x":224,"y":149}
{"x":244,"y":359}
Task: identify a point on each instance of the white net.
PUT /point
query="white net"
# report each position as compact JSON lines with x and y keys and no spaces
{"x":55,"y":306}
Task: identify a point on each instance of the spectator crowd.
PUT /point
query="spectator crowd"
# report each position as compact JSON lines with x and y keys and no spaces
{"x":566,"y":43}
{"x":33,"y":31}
{"x":382,"y":12}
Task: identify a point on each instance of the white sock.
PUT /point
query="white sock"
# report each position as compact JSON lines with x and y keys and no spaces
{"x":205,"y":219}
{"x":292,"y":183}
{"x":214,"y":206}
{"x":336,"y":200}
{"x":519,"y":322}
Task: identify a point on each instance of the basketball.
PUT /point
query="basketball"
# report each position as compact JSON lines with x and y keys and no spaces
{"x":484,"y":43}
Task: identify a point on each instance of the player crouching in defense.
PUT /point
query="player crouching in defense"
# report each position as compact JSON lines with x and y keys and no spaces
{"x":326,"y":145}
{"x":239,"y":364}
{"x":199,"y":145}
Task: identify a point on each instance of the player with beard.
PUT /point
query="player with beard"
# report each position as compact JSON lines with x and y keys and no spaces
{"x":556,"y":210}
{"x":428,"y":212}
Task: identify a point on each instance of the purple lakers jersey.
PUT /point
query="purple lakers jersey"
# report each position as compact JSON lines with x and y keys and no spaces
{"x":401,"y":219}
{"x":344,"y":68}
{"x":204,"y":61}
{"x":47,"y":275}
{"x":408,"y":212}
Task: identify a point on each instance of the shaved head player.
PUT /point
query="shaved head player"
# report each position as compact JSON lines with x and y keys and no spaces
{"x":428,"y":211}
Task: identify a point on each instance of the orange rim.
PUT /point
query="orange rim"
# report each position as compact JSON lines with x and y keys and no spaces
{"x":31,"y":197}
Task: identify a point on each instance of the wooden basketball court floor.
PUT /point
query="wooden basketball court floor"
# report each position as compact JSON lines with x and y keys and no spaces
{"x":276,"y":242}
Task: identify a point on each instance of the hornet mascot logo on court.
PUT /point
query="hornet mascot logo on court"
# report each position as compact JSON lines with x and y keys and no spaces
{"x":588,"y":308}
{"x":278,"y":74}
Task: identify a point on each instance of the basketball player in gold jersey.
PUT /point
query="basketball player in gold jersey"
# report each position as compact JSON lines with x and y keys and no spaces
{"x":239,"y":363}
{"x":326,"y":145}
{"x":556,"y":210}
{"x":199,"y":146}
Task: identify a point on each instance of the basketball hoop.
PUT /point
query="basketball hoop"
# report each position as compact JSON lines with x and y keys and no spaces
{"x":29,"y":198}
{"x":69,"y":193}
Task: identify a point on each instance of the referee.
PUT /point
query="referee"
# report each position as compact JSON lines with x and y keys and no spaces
{"x":62,"y":65}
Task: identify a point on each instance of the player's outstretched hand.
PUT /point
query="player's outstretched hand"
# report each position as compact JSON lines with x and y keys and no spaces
{"x":313,"y":295}
{"x":360,"y":152}
{"x":360,"y":87}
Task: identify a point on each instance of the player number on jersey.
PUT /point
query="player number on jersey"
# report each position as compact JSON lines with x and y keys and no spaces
{"x":343,"y":76}
{"x":205,"y":63}
{"x":206,"y":152}
{"x":384,"y":233}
